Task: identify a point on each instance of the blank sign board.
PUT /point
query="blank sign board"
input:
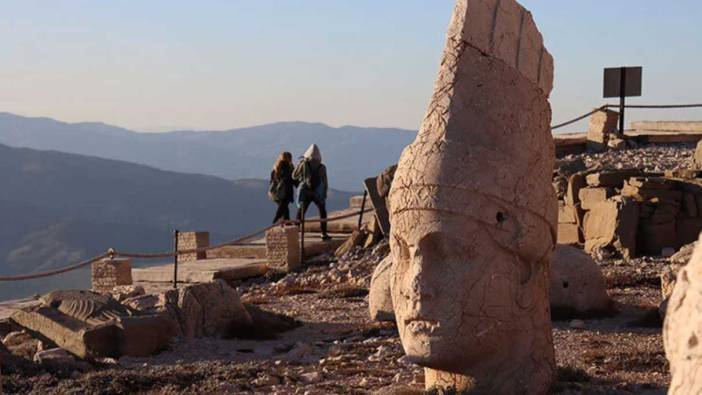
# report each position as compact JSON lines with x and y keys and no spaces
{"x":617,"y":78}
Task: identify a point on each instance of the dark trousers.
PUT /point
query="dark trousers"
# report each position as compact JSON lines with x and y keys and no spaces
{"x":321,"y":206}
{"x":283,"y":212}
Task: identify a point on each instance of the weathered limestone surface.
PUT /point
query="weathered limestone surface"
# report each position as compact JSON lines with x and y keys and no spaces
{"x":473,"y":211}
{"x":577,"y":283}
{"x":207,"y":309}
{"x":91,"y":325}
{"x":603,"y":125}
{"x":283,"y":248}
{"x":111,"y":272}
{"x":379,"y":297}
{"x":612,"y":225}
{"x":191,"y":241}
{"x":683,"y":328}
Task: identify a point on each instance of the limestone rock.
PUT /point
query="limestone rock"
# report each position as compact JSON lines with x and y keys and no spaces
{"x":124,"y":292}
{"x":682,"y":329}
{"x":613,"y":225}
{"x":577,"y":283}
{"x":92,"y":325}
{"x":207,"y":309}
{"x":697,"y":160}
{"x":683,"y":255}
{"x":474,"y":212}
{"x":379,"y":297}
{"x":22,"y":344}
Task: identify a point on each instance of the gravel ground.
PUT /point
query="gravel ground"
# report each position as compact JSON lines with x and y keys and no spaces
{"x":651,"y":158}
{"x":337,"y":349}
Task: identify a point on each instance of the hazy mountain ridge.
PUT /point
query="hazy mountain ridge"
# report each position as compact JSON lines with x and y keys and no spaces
{"x":350,"y":153}
{"x":57,"y":208}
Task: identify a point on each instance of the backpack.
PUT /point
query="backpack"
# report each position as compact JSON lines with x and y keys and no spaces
{"x":276,"y":189}
{"x":311,"y":178}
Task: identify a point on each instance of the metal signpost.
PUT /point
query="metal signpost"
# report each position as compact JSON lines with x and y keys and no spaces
{"x":622,"y":82}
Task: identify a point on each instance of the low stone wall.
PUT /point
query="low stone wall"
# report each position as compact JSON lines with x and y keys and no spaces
{"x":631,"y":211}
{"x":109,"y":273}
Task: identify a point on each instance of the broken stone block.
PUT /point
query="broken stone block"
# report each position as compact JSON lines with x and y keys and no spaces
{"x":697,"y":159}
{"x":611,"y":179}
{"x":567,"y":214}
{"x":603,"y":123}
{"x":569,"y":234}
{"x":591,"y":196}
{"x":111,"y":272}
{"x":575,"y":183}
{"x":379,"y":297}
{"x":283,"y":248}
{"x":22,"y":344}
{"x":207,"y":309}
{"x":616,"y":144}
{"x":192,"y":241}
{"x":472,"y":202}
{"x":91,"y":325}
{"x":357,"y":238}
{"x":124,"y":292}
{"x":653,"y":238}
{"x":681,"y":329}
{"x":612,"y":225}
{"x":688,"y":229}
{"x":577,"y":284}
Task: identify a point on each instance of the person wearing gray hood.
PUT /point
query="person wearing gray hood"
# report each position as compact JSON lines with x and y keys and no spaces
{"x":311,"y":174}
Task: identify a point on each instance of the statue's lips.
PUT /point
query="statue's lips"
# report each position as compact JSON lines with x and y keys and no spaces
{"x":422,"y":327}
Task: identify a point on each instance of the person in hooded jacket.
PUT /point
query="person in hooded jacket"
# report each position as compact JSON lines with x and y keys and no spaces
{"x":281,"y":186}
{"x":311,"y":175}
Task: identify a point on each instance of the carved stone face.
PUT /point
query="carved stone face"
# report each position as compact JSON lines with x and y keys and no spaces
{"x":454,"y":304}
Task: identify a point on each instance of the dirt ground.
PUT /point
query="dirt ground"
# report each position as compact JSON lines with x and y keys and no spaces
{"x":337,"y":349}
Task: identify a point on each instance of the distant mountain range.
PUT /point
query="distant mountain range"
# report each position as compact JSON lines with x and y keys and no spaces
{"x":58,"y":208}
{"x":350,"y":153}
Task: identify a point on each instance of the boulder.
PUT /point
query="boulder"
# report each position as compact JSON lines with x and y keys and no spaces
{"x":379,"y":297}
{"x":207,"y":309}
{"x":612,"y":224}
{"x":22,"y":344}
{"x":577,"y":283}
{"x":683,"y":327}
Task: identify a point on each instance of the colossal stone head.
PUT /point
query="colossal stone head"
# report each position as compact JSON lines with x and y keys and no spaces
{"x":473,"y":211}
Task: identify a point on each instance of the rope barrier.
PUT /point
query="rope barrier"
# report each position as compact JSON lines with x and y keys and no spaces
{"x":661,"y":106}
{"x":158,"y":255}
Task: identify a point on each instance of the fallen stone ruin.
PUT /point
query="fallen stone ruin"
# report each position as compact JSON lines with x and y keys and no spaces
{"x":628,"y":211}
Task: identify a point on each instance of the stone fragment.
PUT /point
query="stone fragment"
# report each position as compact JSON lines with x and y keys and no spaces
{"x":577,"y":284}
{"x":283,"y":248}
{"x":697,"y":159}
{"x":612,"y":225}
{"x":681,"y":329}
{"x":589,"y":197}
{"x":472,"y":203}
{"x":568,"y":234}
{"x":684,"y":254}
{"x":207,"y":309}
{"x":22,"y":344}
{"x":379,"y":297}
{"x":611,"y":179}
{"x":616,"y":144}
{"x":567,"y":214}
{"x":575,"y":183}
{"x":603,"y":124}
{"x":92,"y":325}
{"x":124,"y":292}
{"x":357,"y":238}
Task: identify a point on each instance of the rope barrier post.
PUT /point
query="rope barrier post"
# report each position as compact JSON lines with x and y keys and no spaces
{"x":175,"y":258}
{"x":302,"y":233}
{"x":363,"y":208}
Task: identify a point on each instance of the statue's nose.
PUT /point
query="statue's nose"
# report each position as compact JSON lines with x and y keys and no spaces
{"x":421,"y":285}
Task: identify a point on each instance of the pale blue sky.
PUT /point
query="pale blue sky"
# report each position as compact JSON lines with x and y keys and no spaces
{"x":168,"y":64}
